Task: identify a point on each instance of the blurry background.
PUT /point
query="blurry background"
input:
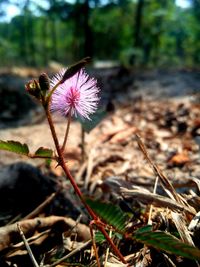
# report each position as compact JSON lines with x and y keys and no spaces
{"x":130,"y":32}
{"x":146,"y":59}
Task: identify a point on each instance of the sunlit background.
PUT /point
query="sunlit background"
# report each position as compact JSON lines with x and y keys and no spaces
{"x":12,"y":10}
{"x":132,"y":32}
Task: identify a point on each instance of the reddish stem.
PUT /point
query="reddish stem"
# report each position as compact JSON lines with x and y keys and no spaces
{"x":115,"y":249}
{"x":75,"y":186}
{"x":63,"y":165}
{"x":67,"y":130}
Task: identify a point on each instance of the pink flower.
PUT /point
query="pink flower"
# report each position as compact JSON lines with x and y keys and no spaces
{"x":78,"y":95}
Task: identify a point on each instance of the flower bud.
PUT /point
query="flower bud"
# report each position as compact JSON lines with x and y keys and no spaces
{"x":33,"y":88}
{"x":44,"y":82}
{"x":73,"y":69}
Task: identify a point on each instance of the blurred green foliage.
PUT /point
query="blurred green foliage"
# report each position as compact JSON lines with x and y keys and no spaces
{"x":133,"y":32}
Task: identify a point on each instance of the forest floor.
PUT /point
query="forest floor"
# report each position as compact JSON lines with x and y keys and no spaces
{"x":151,"y":131}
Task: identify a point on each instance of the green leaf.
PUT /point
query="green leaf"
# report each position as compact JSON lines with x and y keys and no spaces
{"x":144,"y":229}
{"x":14,"y":146}
{"x":165,"y":241}
{"x":44,"y":152}
{"x":96,"y":118}
{"x":111,"y":214}
{"x":99,"y":237}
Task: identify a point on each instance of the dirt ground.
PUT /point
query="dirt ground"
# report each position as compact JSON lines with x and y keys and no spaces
{"x":162,"y":107}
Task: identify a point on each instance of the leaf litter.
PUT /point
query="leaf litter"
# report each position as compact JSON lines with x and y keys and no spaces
{"x":144,"y":139}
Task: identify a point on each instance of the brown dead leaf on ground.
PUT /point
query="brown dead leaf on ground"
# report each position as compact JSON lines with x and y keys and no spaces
{"x":124,"y":135}
{"x":52,"y":228}
{"x":179,"y":159}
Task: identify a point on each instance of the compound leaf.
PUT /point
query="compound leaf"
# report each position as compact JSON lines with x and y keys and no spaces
{"x":14,"y":146}
{"x":167,"y":242}
{"x":44,"y":152}
{"x":111,"y":214}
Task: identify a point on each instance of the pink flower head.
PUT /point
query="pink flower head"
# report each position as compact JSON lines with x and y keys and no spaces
{"x":77,"y":95}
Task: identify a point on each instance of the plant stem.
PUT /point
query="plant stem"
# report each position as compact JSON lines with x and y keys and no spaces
{"x":62,"y":163}
{"x":107,"y":250}
{"x":115,"y":249}
{"x":67,"y":130}
{"x":94,"y":244}
{"x":82,"y":144}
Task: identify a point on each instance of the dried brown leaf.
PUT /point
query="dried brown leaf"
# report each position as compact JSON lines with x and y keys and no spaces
{"x":9,"y":234}
{"x":166,"y":184}
{"x":123,"y":135}
{"x":159,"y":201}
{"x":181,"y":226}
{"x":179,"y":159}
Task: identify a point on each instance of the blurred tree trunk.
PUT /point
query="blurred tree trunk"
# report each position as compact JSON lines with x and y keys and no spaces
{"x":88,"y":42}
{"x":44,"y":41}
{"x":31,"y":42}
{"x":158,"y":24}
{"x":156,"y":38}
{"x":180,"y":36}
{"x":77,"y":30}
{"x":137,"y":43}
{"x":138,"y":23}
{"x":23,"y":43}
{"x":29,"y":35}
{"x":196,"y":8}
{"x":83,"y":41}
{"x":54,"y":39}
{"x":196,"y":12}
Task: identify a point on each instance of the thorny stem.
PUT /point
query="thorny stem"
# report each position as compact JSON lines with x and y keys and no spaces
{"x":67,"y":130}
{"x":63,"y":165}
{"x":115,"y":249}
{"x":72,"y":181}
